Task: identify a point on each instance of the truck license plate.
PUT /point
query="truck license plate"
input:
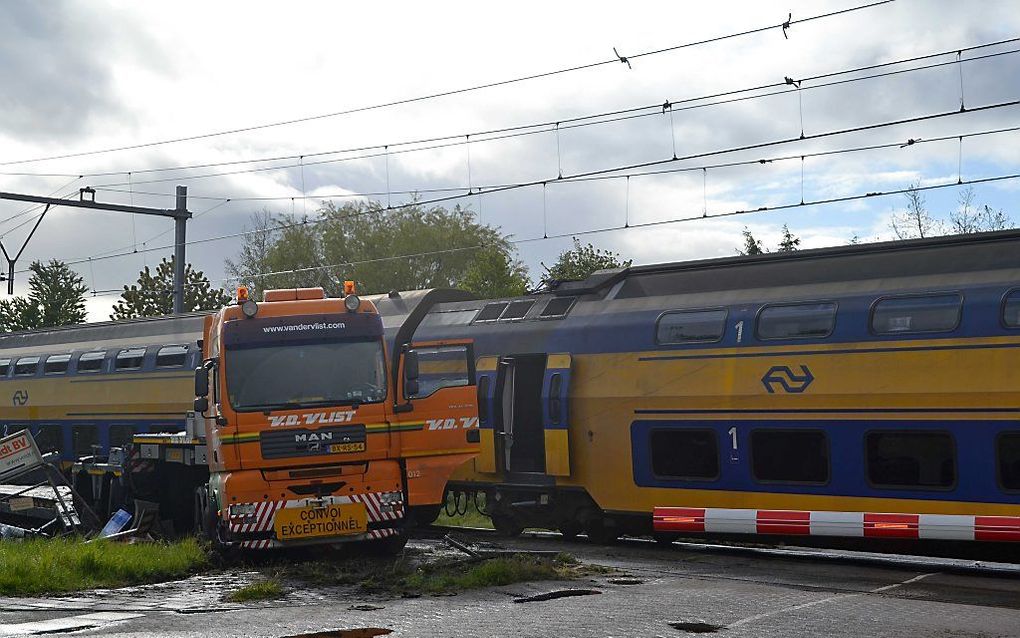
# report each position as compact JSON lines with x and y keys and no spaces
{"x":347,"y":447}
{"x":330,"y":520}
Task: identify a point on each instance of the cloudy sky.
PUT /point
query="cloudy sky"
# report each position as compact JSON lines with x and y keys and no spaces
{"x":77,"y":77}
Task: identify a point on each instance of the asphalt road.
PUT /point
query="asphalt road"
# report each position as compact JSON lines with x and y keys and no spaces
{"x":676,"y":591}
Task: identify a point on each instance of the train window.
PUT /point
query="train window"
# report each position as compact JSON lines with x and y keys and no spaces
{"x":83,"y":437}
{"x":120,"y":434}
{"x":1009,"y":460}
{"x":927,"y":313}
{"x":5,"y":366}
{"x":26,"y":366}
{"x":690,"y":326}
{"x":56,"y":363}
{"x":557,"y":307}
{"x":130,"y":359}
{"x":517,"y":310}
{"x":171,"y":356}
{"x":450,"y":318}
{"x":790,"y":456}
{"x":1011,"y":309}
{"x":49,"y":438}
{"x":684,"y":454}
{"x":91,"y":361}
{"x":492,"y":311}
{"x":797,"y":321}
{"x":911,"y":459}
{"x":441,"y":367}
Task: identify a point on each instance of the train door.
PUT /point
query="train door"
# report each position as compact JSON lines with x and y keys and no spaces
{"x":555,"y":414}
{"x":522,"y":428}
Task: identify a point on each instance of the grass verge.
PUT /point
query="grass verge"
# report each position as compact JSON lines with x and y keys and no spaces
{"x":470,"y":518}
{"x":410,"y":575}
{"x":262,"y":590}
{"x":47,"y":566}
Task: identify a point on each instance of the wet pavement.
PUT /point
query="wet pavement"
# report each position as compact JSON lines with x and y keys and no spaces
{"x":653,"y":591}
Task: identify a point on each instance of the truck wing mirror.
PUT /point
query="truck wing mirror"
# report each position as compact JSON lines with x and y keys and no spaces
{"x":411,"y":385}
{"x":202,"y":381}
{"x":201,"y":405}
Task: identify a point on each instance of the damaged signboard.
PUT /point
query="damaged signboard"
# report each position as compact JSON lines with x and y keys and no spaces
{"x":18,"y":455}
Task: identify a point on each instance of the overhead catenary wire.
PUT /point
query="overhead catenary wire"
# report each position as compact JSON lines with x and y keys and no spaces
{"x":555,"y":127}
{"x":480,"y":189}
{"x":784,"y":25}
{"x":617,"y":172}
{"x":619,"y":169}
{"x":663,"y":222}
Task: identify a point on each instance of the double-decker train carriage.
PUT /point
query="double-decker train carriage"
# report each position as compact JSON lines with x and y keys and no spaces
{"x":94,"y":386}
{"x":833,"y":391}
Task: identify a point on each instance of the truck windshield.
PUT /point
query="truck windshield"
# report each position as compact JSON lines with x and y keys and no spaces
{"x":309,"y":374}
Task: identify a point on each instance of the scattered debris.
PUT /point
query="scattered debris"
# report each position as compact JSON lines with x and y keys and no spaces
{"x":625,"y":581}
{"x":363,"y":632}
{"x":560,"y":593}
{"x":696,"y":627}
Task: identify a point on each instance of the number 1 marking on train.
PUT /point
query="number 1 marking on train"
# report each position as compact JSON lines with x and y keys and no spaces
{"x":740,"y":337}
{"x":734,"y":456}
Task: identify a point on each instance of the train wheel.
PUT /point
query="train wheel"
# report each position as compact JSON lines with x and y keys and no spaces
{"x":665,"y":540}
{"x":601,"y":534}
{"x":570,"y":530}
{"x":506,"y":525}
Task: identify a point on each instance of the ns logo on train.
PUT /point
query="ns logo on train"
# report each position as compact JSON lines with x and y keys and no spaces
{"x":786,"y":380}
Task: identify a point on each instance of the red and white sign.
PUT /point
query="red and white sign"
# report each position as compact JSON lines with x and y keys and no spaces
{"x":822,"y":523}
{"x":18,"y":454}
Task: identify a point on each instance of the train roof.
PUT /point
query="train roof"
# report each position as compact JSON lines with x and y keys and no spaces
{"x":107,"y":334}
{"x":925,"y":264}
{"x":880,"y":260}
{"x":394,"y":307}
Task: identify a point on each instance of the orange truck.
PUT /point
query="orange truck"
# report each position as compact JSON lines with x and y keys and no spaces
{"x":322,"y":424}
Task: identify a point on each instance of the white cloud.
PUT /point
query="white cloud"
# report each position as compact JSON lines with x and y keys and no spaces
{"x":150,"y":71}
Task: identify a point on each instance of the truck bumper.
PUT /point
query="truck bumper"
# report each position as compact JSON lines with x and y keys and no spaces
{"x":273,"y":524}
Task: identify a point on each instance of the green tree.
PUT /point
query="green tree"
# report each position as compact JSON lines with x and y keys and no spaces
{"x":152,"y":296}
{"x":752,"y":246}
{"x":56,"y":297}
{"x":580,"y":261}
{"x":788,"y":243}
{"x":493,"y":273}
{"x":408,"y":248}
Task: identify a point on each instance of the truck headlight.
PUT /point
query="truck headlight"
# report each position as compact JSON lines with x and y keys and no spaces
{"x":239,"y":510}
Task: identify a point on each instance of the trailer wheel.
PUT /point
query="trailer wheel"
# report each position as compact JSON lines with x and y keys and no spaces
{"x":506,"y":525}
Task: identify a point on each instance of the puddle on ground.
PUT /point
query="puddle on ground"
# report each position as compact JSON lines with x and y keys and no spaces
{"x":553,"y":595}
{"x":362,"y":632}
{"x":696,"y":627}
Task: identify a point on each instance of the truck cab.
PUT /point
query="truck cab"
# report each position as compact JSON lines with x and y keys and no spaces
{"x":324,"y":426}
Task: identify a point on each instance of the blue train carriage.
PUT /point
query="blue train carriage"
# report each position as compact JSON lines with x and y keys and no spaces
{"x":868,"y":390}
{"x":82,"y":389}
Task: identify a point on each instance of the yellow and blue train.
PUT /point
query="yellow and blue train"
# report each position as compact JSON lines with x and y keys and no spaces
{"x":87,"y":388}
{"x":868,"y":378}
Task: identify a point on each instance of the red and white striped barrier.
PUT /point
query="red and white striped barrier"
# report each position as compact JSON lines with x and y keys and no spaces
{"x":861,"y":524}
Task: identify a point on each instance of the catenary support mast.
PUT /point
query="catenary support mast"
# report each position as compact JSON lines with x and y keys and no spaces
{"x":179,"y":214}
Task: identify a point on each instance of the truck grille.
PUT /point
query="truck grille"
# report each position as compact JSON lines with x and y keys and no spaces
{"x":279,"y":444}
